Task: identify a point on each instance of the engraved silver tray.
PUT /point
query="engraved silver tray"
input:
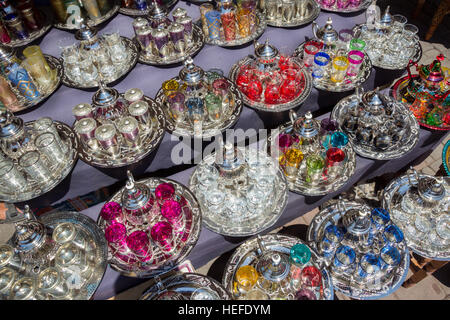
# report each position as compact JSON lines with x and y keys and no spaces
{"x":362,"y":6}
{"x":396,"y":150}
{"x":185,"y":284}
{"x":326,"y":84}
{"x":127,"y":66}
{"x":259,"y":29}
{"x":253,"y":224}
{"x":380,"y":62}
{"x":379,"y":287}
{"x":193,"y":47}
{"x":419,"y":242}
{"x":323,"y":187}
{"x":112,"y":12}
{"x":313,"y":13}
{"x":53,"y":63}
{"x":209,"y":129}
{"x":97,"y":239}
{"x":164,"y":263}
{"x":234,"y":72}
{"x":59,"y":172}
{"x":47,"y":25}
{"x":247,"y":254}
{"x":150,"y":140}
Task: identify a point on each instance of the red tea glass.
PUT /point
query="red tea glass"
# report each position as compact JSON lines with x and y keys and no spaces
{"x":309,"y":51}
{"x":229,"y":25}
{"x":171,"y":210}
{"x":162,"y":234}
{"x":311,"y":276}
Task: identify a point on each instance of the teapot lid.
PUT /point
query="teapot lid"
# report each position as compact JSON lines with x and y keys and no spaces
{"x":307,"y":127}
{"x":265,"y":51}
{"x":30,"y":234}
{"x":86,"y":32}
{"x":273,"y":266}
{"x":386,"y":19}
{"x":433,"y":71}
{"x":105,"y":96}
{"x":231,"y":160}
{"x":157,"y":12}
{"x":357,"y":221}
{"x":191,"y":73}
{"x":374,"y":101}
{"x":136,"y":195}
{"x":9,"y":124}
{"x":431,"y":189}
{"x":327,"y":33}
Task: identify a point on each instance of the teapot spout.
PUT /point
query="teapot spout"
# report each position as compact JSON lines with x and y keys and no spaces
{"x":315,"y":28}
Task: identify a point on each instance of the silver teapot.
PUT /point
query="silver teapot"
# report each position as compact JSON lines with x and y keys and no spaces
{"x":193,"y":76}
{"x":231,"y":166}
{"x":14,"y":137}
{"x":266,"y":57}
{"x":307,"y":129}
{"x":327,"y":34}
{"x":108,"y":103}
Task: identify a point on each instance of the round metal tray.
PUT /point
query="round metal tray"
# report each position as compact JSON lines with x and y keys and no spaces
{"x":362,"y":6}
{"x":164,"y":263}
{"x":259,"y":30}
{"x":224,"y":225}
{"x":47,"y":25}
{"x":300,"y":186}
{"x":192,"y":49}
{"x":53,"y":63}
{"x":378,"y":61}
{"x":446,"y":157}
{"x":313,"y":9}
{"x":127,"y":67}
{"x":59,"y":172}
{"x":397,"y":150}
{"x":111,"y":13}
{"x":247,"y":254}
{"x":343,"y":282}
{"x":185,"y":284}
{"x":273,"y":107}
{"x":346,"y":85}
{"x":150,"y":141}
{"x":88,"y":226}
{"x":185,"y":129}
{"x":417,"y":241}
{"x":399,"y":85}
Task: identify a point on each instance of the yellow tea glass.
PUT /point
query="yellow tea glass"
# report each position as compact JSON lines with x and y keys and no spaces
{"x":170,"y":86}
{"x":36,"y":68}
{"x":244,"y":21}
{"x":339,"y":69}
{"x":32,"y":51}
{"x":246,"y":278}
{"x":293,"y":160}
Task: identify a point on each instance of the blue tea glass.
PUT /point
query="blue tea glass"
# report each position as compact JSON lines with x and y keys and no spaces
{"x":326,"y":247}
{"x":333,"y":233}
{"x":369,"y":265}
{"x":344,"y":258}
{"x":339,"y":139}
{"x":393,"y":234}
{"x":390,"y":257}
{"x":380,"y":217}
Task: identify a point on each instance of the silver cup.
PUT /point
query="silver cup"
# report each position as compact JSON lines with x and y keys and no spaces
{"x":129,"y":128}
{"x":301,"y":8}
{"x":11,"y":178}
{"x":85,"y":128}
{"x":34,"y":166}
{"x":83,"y":110}
{"x":133,"y":95}
{"x":47,"y":145}
{"x":139,"y":110}
{"x":107,"y":138}
{"x":52,"y":282}
{"x":23,"y":289}
{"x":288,"y":10}
{"x":46,"y":124}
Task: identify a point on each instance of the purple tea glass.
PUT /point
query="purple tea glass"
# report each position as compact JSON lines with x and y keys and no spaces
{"x":305,"y":294}
{"x":354,"y":3}
{"x":139,"y":243}
{"x":112,"y":212}
{"x":116,"y":235}
{"x":164,"y":191}
{"x":328,"y":126}
{"x":171,"y":210}
{"x":328,"y":3}
{"x":221,"y":87}
{"x":162,"y":234}
{"x":342,"y":4}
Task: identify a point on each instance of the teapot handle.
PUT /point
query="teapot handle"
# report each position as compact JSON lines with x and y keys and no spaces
{"x":292,"y":116}
{"x":359,"y":91}
{"x":315,"y":28}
